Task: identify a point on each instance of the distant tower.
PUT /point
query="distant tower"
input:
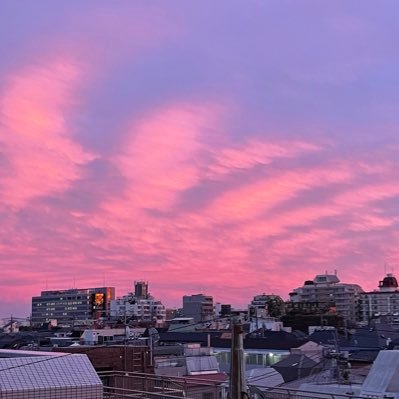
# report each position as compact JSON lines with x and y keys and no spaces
{"x":141,"y":289}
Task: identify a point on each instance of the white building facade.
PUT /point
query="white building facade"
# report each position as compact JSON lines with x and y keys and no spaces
{"x":382,"y":302}
{"x":326,"y":289}
{"x":141,"y":308}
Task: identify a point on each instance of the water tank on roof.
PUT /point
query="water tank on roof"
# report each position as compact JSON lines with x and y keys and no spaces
{"x":389,"y":282}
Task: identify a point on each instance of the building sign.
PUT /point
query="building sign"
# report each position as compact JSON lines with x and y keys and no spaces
{"x":98,"y":301}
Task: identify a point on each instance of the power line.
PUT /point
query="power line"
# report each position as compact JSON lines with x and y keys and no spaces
{"x":39,"y":361}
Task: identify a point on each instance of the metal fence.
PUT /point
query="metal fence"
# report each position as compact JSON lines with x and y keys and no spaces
{"x":286,"y":393}
{"x":122,"y":385}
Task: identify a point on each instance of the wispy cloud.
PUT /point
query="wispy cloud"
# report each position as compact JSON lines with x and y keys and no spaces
{"x":37,"y":140}
{"x":233,"y":160}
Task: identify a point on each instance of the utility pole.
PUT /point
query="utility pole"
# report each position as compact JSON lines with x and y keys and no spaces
{"x":238,"y":388}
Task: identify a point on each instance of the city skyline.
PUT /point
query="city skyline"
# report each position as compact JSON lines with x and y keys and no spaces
{"x":227,"y":148}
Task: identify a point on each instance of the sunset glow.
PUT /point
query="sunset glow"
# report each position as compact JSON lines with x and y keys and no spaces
{"x":226,"y":148}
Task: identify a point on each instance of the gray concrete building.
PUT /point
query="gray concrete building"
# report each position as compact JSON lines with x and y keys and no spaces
{"x":73,"y":306}
{"x":199,"y":307}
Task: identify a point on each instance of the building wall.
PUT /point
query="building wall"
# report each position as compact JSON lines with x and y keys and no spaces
{"x":116,"y":357}
{"x":199,"y":307}
{"x":384,"y":302}
{"x":375,"y":304}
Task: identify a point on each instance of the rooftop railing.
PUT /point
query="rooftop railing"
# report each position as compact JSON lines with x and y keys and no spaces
{"x":122,"y":385}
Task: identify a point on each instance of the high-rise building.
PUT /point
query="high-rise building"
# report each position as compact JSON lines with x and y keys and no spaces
{"x":326,"y":290}
{"x":73,"y":306}
{"x":198,"y":306}
{"x":382,"y":302}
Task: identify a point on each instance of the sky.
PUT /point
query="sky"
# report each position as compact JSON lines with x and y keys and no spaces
{"x":230,"y":148}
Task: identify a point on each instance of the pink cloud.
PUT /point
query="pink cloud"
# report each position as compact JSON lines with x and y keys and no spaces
{"x":231,"y":246}
{"x":41,"y":155}
{"x":255,"y":152}
{"x":158,"y":158}
{"x":369,"y":193}
{"x":254,"y":199}
{"x":192,"y":247}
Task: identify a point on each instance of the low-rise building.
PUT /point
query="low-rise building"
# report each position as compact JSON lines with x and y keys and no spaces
{"x":266,"y":306}
{"x":383,"y":302}
{"x":122,"y":358}
{"x":192,"y":360}
{"x":199,"y":307}
{"x":104,"y":336}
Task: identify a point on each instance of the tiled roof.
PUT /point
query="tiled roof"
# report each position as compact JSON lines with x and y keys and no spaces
{"x":22,"y":373}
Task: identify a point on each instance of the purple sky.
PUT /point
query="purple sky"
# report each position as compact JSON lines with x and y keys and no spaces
{"x":224,"y":147}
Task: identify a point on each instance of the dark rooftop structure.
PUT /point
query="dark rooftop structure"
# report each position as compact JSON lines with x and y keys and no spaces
{"x":295,"y":366}
{"x":277,"y":340}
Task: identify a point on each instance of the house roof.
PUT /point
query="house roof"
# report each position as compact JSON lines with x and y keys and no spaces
{"x":44,"y":372}
{"x":186,"y":337}
{"x":201,"y":365}
{"x":264,"y":377}
{"x":277,"y":340}
{"x":215,"y":378}
{"x":383,"y":378}
{"x":364,"y":356}
{"x":327,"y":337}
{"x":294,"y":366}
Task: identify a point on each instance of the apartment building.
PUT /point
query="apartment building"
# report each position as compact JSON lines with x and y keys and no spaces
{"x":327,"y":291}
{"x":140,"y":307}
{"x":383,"y":302}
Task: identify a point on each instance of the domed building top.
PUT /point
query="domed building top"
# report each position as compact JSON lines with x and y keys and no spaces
{"x":389,"y":283}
